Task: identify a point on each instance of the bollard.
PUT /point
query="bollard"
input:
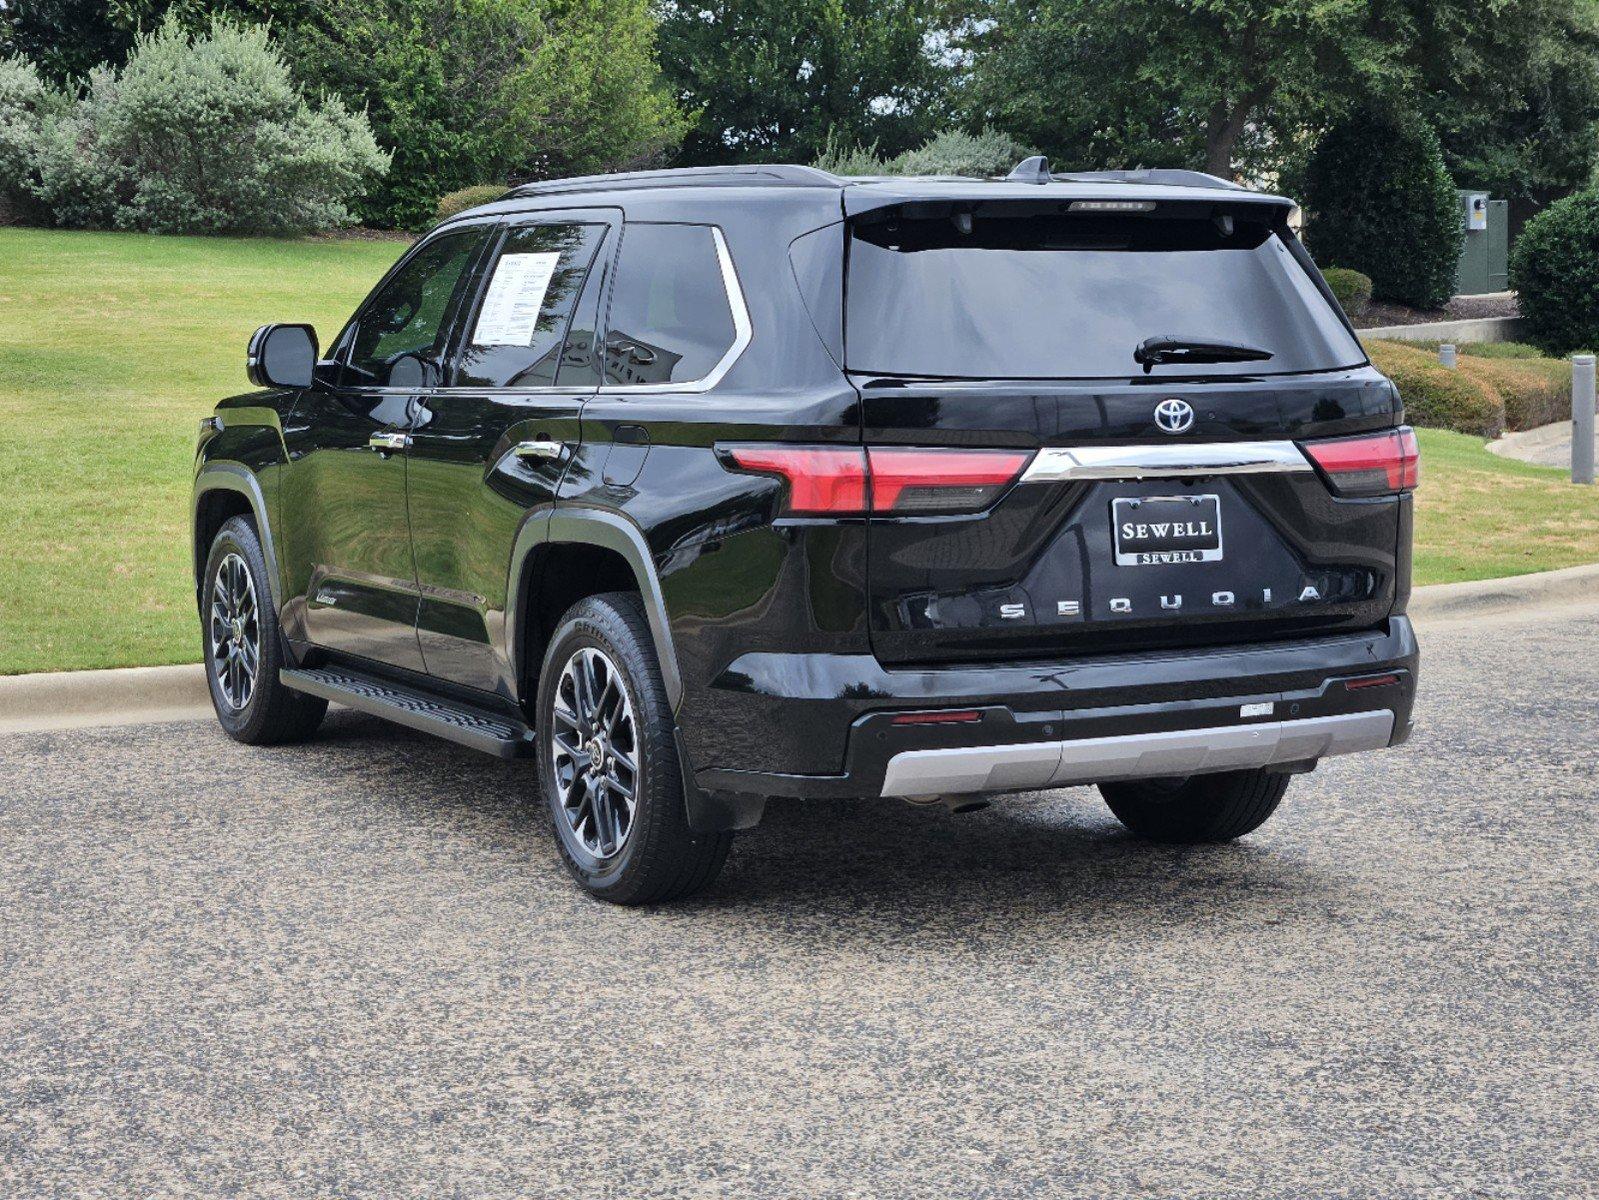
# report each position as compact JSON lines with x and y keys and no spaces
{"x":1446,"y":355}
{"x":1582,"y":421}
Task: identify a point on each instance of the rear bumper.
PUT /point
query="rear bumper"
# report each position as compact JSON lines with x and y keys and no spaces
{"x":1089,"y":721}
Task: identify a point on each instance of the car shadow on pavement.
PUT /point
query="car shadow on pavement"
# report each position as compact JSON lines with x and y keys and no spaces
{"x":1051,"y":857}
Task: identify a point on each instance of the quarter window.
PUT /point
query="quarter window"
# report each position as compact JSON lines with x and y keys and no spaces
{"x":400,"y":334}
{"x":515,"y":337}
{"x":671,"y":320}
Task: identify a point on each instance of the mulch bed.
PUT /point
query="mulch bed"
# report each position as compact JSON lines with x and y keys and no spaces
{"x":1461,"y":308}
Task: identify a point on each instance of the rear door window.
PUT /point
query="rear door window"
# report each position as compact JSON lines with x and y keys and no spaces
{"x":671,"y":319}
{"x":515,"y":334}
{"x":1004,"y":291}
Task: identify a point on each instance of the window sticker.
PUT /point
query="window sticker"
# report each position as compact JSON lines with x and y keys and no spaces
{"x":510,"y":311}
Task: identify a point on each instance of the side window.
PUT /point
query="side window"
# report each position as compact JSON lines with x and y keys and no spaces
{"x":670,"y":321}
{"x":515,"y":337}
{"x":401,"y":331}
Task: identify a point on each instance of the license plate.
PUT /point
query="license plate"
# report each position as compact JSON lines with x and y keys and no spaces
{"x":1150,"y":530}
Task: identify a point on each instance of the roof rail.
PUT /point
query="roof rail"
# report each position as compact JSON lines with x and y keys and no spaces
{"x":747,"y":175}
{"x":1158,"y":176}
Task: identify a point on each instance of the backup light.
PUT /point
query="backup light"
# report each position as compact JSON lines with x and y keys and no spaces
{"x":1373,"y":464}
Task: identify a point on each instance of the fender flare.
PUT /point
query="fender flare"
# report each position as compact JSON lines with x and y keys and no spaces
{"x":231,"y":476}
{"x":609,"y":531}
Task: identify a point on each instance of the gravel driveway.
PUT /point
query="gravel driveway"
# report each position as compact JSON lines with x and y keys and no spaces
{"x":356,"y":968}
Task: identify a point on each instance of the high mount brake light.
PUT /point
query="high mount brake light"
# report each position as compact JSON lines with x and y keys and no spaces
{"x":1373,"y":464}
{"x":850,"y":481}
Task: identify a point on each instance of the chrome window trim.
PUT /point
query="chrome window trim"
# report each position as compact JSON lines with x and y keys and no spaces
{"x":743,"y":330}
{"x":1170,"y":461}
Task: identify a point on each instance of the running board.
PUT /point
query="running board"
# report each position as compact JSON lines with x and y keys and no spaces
{"x":492,"y":733}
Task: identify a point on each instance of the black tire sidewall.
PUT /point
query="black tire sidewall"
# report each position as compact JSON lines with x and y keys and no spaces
{"x":252,"y":722}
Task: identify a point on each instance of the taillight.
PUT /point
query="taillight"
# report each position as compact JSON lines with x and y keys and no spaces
{"x":840,"y":481}
{"x":909,"y":480}
{"x":1373,"y":464}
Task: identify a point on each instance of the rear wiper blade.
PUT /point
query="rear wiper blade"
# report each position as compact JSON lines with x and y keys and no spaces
{"x":1168,"y":348}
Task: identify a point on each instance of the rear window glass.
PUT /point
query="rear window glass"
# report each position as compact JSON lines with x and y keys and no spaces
{"x":1002,"y":292}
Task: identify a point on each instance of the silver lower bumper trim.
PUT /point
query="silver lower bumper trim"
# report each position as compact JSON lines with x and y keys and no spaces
{"x":1133,"y":756}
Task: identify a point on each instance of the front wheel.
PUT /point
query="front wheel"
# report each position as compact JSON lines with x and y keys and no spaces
{"x":608,"y":761}
{"x":242,"y":648}
{"x":1201,"y":808}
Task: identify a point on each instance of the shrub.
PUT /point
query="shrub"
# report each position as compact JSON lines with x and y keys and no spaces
{"x":462,"y":199}
{"x":1381,"y":202}
{"x":1436,"y":396}
{"x":1351,"y":287}
{"x":1533,"y":392}
{"x":846,"y":158}
{"x":205,"y":135}
{"x":1554,"y":271}
{"x":27,"y":104}
{"x":956,"y":152}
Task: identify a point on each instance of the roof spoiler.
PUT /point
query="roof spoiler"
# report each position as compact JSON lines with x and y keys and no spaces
{"x":1036,"y":170}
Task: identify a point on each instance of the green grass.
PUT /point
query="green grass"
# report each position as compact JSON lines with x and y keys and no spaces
{"x":112,"y":346}
{"x":1479,"y":516}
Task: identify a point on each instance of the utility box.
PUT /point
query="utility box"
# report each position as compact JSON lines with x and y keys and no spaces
{"x":1485,"y":255}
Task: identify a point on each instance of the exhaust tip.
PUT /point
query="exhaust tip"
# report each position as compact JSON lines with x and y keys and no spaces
{"x":955,"y":804}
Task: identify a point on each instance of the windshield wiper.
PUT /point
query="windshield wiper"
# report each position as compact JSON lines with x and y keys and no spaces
{"x":1168,"y":348}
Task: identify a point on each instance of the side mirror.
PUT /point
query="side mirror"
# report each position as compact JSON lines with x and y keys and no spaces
{"x":281,"y":356}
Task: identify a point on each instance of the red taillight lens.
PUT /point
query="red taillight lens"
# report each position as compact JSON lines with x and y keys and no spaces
{"x":884,"y":479}
{"x":821,"y":479}
{"x":910,"y":480}
{"x":1375,"y":464}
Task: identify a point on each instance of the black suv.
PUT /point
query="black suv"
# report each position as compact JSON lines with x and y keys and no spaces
{"x":705,"y":486}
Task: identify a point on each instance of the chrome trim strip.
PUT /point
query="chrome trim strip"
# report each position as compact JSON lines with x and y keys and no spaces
{"x":1178,"y":459}
{"x":1029,"y":765}
{"x":743,"y":333}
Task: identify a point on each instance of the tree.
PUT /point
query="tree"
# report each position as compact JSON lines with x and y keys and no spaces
{"x":1168,"y":82}
{"x":482,"y":91}
{"x":773,"y":79}
{"x":1381,"y":202}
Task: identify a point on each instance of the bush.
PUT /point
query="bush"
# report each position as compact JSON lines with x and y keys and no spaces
{"x":1381,"y":202}
{"x":462,"y":199}
{"x":956,"y":152}
{"x":1351,"y":287}
{"x":27,"y":104}
{"x":1554,"y":271}
{"x":203,"y":135}
{"x":845,"y":158}
{"x":1532,"y":392}
{"x":1436,"y":396}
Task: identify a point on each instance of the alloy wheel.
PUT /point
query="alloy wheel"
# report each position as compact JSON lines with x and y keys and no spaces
{"x":594,"y":752}
{"x":235,"y":631}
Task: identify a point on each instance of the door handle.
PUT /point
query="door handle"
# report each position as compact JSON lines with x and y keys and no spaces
{"x":539,"y":448}
{"x":388,"y":443}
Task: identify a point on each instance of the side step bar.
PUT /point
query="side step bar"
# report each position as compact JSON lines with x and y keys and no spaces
{"x":492,"y":733}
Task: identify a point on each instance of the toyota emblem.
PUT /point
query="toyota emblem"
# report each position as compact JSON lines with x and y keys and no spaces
{"x":1174,"y":415}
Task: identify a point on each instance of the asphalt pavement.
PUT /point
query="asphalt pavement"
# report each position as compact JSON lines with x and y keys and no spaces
{"x":356,"y":968}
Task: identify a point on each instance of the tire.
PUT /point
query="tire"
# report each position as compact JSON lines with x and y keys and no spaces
{"x":1202,"y":808}
{"x":645,"y":854}
{"x":252,"y":706}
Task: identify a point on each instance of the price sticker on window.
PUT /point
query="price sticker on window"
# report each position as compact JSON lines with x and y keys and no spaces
{"x":510,"y":313}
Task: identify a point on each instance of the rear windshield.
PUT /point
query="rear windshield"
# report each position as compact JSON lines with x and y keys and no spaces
{"x":999,"y":291}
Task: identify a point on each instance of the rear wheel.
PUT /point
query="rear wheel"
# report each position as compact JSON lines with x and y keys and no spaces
{"x":608,"y":761}
{"x":1202,"y":808}
{"x":242,"y":648}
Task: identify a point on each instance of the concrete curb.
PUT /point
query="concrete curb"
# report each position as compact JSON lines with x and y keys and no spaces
{"x":1463,"y":329}
{"x":1518,"y":594}
{"x":152,"y":695}
{"x":123,"y":696}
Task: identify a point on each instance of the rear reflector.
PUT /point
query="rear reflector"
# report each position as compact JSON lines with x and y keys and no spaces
{"x":843,"y":481}
{"x":1375,"y":464}
{"x":961,"y":716}
{"x":1370,"y":681}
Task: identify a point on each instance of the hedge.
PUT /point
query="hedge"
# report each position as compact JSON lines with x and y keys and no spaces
{"x":462,"y":199}
{"x":1484,"y":394}
{"x":1351,"y":287}
{"x":1554,"y":271}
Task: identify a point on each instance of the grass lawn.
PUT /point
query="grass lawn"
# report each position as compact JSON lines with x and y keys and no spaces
{"x":112,"y":346}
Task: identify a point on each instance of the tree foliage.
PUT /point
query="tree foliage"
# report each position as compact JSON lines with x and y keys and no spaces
{"x":1381,"y":202}
{"x":773,"y":79}
{"x":1554,"y":270}
{"x":202,"y":134}
{"x":471,"y":91}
